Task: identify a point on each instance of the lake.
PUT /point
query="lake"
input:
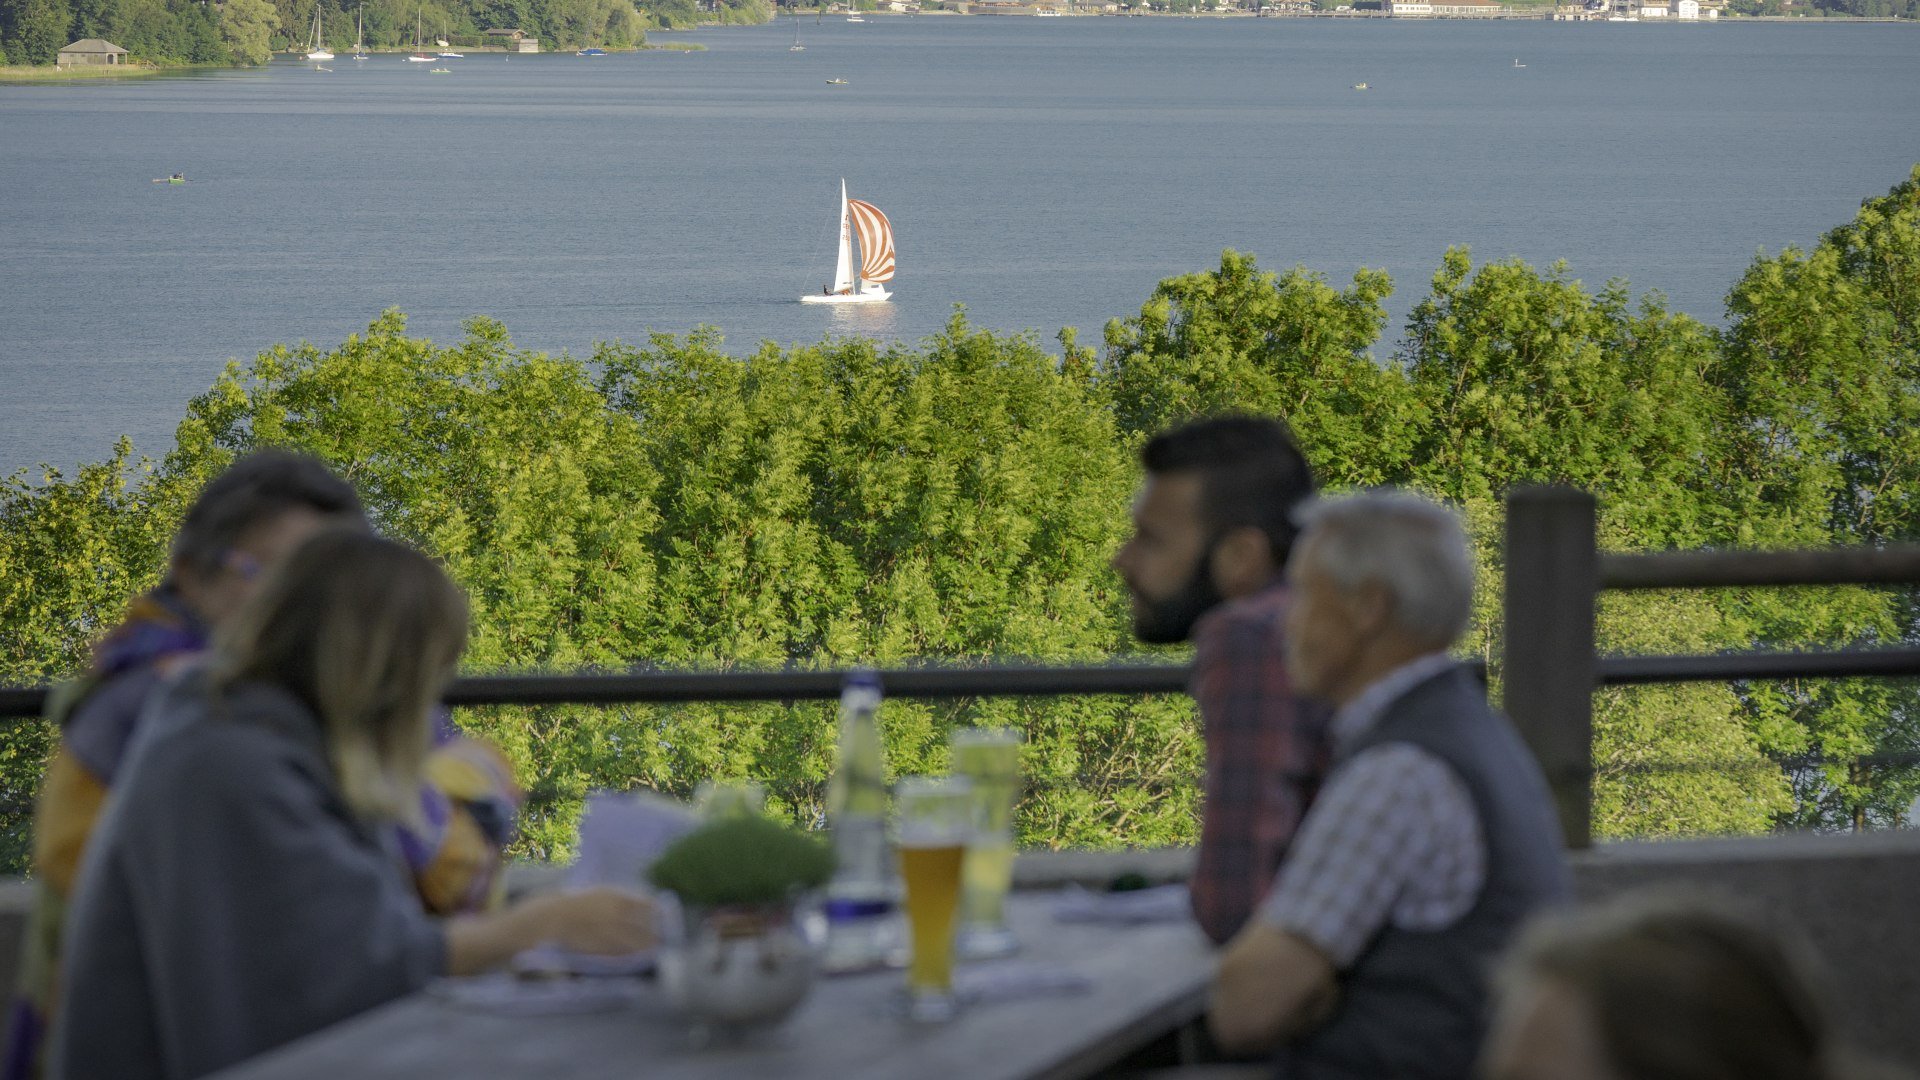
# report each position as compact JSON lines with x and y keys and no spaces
{"x":1042,"y":172}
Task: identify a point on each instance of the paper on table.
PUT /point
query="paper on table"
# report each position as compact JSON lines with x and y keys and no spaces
{"x":1165,"y":903}
{"x":620,"y":837}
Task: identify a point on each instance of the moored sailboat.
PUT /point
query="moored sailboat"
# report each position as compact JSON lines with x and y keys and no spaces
{"x":360,"y":34}
{"x":864,"y":284}
{"x":316,"y":47}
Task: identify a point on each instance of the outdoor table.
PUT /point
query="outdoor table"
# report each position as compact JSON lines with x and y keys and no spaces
{"x":1146,"y":980}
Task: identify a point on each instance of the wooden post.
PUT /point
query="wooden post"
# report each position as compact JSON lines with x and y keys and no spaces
{"x":1549,"y":666}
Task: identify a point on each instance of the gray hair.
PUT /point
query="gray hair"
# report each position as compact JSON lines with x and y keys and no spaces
{"x":1412,"y":547}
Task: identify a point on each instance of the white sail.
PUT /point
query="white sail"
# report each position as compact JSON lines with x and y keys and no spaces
{"x":843,"y":268}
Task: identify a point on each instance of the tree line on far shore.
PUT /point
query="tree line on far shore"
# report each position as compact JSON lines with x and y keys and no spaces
{"x":180,"y":32}
{"x":851,"y":502}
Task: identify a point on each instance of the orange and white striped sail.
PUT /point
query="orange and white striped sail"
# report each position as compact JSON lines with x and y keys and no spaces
{"x":876,"y":241}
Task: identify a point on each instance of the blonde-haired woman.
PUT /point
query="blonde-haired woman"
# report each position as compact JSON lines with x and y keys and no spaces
{"x":241,"y":890}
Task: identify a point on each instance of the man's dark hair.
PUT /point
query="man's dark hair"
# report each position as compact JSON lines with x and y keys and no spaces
{"x":254,"y":490}
{"x":1251,"y":473}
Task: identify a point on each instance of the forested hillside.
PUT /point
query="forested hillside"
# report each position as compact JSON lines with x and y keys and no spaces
{"x":670,"y":504}
{"x":171,"y":32}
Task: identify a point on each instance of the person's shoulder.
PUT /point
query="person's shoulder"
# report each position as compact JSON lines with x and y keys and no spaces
{"x":101,"y":725}
{"x":198,"y":744}
{"x":1256,"y":616}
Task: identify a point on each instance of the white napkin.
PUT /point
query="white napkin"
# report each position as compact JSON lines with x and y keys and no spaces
{"x":1164,"y":903}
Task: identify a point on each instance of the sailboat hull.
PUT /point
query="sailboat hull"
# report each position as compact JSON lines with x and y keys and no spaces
{"x":878,"y":297}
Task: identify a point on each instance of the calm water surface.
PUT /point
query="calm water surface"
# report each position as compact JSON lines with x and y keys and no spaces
{"x":1042,"y":172}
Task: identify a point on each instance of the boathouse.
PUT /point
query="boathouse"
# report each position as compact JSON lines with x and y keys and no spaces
{"x":90,"y":51}
{"x":514,"y":41}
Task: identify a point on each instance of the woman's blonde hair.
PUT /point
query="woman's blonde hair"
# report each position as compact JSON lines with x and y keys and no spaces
{"x":365,"y":632}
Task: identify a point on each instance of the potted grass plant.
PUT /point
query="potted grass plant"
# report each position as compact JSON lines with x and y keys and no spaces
{"x":743,"y":959}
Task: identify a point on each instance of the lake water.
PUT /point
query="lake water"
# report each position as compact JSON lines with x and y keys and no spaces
{"x":1042,"y":172}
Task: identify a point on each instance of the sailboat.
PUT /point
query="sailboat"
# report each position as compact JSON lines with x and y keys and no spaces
{"x":417,"y":56}
{"x":360,"y":34}
{"x":796,"y":46}
{"x":316,"y":49}
{"x":446,"y":49}
{"x":866,"y":284}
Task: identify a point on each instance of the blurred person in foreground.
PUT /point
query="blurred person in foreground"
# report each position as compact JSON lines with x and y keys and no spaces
{"x":242,"y":888}
{"x":1664,"y":986}
{"x":1212,"y":529}
{"x":241,"y":525}
{"x":1433,"y":839}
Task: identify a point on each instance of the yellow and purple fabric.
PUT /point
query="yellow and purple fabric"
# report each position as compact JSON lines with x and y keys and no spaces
{"x":454,"y":849}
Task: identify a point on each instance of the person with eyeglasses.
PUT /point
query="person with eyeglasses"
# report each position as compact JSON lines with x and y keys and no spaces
{"x":245,"y":522}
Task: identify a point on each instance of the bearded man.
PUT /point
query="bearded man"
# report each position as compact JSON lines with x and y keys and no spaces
{"x":1213,"y":524}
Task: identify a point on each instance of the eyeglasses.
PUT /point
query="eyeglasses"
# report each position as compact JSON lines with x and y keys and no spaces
{"x":241,"y":563}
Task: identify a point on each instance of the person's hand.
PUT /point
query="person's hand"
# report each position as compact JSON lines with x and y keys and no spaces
{"x":604,"y":921}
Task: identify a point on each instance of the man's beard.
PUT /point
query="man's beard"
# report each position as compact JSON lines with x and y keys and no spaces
{"x":1169,"y":620}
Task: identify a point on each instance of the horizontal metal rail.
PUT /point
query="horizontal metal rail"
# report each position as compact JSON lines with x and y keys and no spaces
{"x":658,"y":687}
{"x":1844,"y":664}
{"x":669,"y":687}
{"x":1759,"y":569}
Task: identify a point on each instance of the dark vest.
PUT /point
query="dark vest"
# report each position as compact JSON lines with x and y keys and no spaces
{"x":1413,"y":1006}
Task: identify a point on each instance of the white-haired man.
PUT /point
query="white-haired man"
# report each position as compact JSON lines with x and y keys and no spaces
{"x":1434,"y":838}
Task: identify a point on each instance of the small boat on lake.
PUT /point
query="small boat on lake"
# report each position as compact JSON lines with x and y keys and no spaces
{"x":1361,"y":86}
{"x":591,"y":52}
{"x":855,"y":18}
{"x":836,"y":82}
{"x":421,"y":58}
{"x":176,"y":178}
{"x":1517,"y":63}
{"x":864,"y":284}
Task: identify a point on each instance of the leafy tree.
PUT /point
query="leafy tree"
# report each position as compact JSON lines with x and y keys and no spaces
{"x":36,"y":30}
{"x":247,"y":25}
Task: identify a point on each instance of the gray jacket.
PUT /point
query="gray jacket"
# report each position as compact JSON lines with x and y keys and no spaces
{"x":229,"y":902}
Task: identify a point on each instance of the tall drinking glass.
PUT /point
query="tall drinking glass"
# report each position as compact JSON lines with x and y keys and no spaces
{"x":936,"y":819}
{"x":990,"y":759}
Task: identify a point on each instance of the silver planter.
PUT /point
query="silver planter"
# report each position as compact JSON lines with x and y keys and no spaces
{"x":739,"y":967}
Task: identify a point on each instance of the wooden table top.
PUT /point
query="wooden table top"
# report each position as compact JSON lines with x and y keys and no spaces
{"x":1146,"y":981}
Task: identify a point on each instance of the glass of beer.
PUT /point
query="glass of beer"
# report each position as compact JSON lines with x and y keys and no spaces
{"x":990,"y":759}
{"x":936,"y":820}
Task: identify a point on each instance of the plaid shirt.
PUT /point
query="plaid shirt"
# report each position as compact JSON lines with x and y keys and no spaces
{"x":1267,"y":751}
{"x":1393,"y":840}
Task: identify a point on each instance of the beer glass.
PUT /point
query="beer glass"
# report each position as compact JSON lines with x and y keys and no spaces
{"x":990,"y":759}
{"x":936,"y":819}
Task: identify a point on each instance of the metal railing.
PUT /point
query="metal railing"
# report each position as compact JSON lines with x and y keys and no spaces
{"x":1554,"y":577}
